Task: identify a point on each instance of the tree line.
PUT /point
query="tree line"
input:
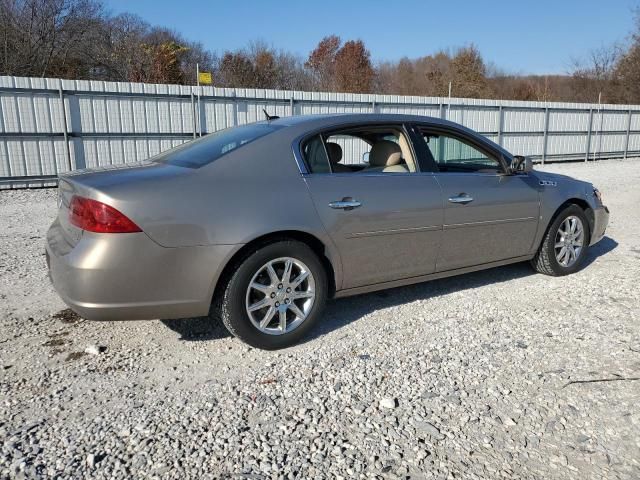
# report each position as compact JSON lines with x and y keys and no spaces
{"x":79,"y":39}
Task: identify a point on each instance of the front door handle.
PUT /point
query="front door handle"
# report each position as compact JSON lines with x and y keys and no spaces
{"x":462,"y":198}
{"x":346,"y":203}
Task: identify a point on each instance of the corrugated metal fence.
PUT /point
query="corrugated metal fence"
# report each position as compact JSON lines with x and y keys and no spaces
{"x":49,"y":126}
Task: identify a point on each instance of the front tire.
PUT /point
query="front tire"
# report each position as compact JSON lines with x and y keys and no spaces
{"x":275,"y":296}
{"x":565,"y":244}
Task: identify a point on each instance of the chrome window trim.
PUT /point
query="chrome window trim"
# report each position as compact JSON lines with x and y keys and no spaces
{"x":475,"y":174}
{"x":360,"y":175}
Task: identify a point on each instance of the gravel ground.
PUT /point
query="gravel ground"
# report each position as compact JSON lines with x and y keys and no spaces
{"x":493,"y":374}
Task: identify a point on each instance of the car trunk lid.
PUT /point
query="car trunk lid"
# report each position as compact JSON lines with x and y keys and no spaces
{"x":138,"y":191}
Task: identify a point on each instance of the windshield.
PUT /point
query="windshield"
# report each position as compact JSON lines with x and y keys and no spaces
{"x":200,"y":152}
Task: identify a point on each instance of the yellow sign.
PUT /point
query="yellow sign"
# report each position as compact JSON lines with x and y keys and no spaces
{"x":205,"y":78}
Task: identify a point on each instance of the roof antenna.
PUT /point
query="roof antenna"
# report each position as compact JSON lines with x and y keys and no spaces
{"x":269,"y":117}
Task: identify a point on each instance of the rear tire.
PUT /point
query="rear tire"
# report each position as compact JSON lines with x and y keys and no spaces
{"x":261,"y":298}
{"x":565,"y":243}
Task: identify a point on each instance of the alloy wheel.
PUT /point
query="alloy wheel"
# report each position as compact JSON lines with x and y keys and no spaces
{"x":569,"y":241}
{"x":280,"y":296}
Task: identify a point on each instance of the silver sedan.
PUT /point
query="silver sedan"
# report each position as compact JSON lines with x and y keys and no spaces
{"x":260,"y":224}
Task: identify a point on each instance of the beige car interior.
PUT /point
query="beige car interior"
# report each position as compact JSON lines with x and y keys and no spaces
{"x":385,"y":156}
{"x":406,"y":152}
{"x":391,"y":157}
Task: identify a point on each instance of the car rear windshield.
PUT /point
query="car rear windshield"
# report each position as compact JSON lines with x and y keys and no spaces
{"x":200,"y":152}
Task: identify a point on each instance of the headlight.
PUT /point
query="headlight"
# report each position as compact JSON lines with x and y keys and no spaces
{"x":597,"y":194}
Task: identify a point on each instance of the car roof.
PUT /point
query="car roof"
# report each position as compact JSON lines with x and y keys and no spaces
{"x":334,"y":118}
{"x":298,"y":124}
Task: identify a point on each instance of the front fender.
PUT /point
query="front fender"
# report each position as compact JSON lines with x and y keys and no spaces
{"x":557,"y":191}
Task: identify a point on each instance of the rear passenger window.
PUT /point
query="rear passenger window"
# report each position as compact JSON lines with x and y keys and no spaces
{"x":347,"y":149}
{"x":315,"y":155}
{"x":365,"y":150}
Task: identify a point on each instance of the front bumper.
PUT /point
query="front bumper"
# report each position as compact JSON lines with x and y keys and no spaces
{"x":600,"y":223}
{"x":130,"y":277}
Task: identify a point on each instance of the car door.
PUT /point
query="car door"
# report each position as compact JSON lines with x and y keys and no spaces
{"x":488,"y":215}
{"x":387,"y":225}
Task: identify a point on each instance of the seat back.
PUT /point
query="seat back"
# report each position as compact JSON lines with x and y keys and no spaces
{"x":334,"y":151}
{"x":386,"y":156}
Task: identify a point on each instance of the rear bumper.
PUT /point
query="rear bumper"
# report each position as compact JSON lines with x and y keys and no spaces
{"x":130,"y":277}
{"x":600,"y":223}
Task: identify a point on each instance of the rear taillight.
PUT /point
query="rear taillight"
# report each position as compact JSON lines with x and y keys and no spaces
{"x":95,"y":216}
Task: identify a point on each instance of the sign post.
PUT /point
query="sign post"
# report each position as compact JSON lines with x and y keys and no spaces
{"x":198,"y":83}
{"x":204,"y":78}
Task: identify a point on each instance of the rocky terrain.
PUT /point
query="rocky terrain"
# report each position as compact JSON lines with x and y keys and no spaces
{"x":497,"y":374}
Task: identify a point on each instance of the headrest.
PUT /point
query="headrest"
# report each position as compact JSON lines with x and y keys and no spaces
{"x":385,"y":153}
{"x":334,"y":151}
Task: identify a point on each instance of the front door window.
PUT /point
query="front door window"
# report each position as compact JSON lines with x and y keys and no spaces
{"x":452,"y":154}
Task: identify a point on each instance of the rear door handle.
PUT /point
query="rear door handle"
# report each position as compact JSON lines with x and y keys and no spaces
{"x":346,"y":203}
{"x":462,"y":198}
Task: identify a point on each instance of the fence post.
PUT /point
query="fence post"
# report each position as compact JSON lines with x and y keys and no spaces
{"x":67,"y":151}
{"x":598,"y":144}
{"x":202,"y":114}
{"x":441,"y":108}
{"x":193,"y":114}
{"x":199,"y":109}
{"x":77,"y":129}
{"x":588,"y":146}
{"x":373,"y":107}
{"x":545,"y":134}
{"x":235,"y":108}
{"x":291,"y":106}
{"x":626,"y":141}
{"x":500,"y":120}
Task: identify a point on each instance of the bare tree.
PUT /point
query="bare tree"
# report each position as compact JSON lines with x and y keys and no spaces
{"x":47,"y":37}
{"x":292,"y":74}
{"x":118,"y":54}
{"x":262,"y":66}
{"x":627,"y":70}
{"x":596,"y":74}
{"x":235,"y":69}
{"x":468,"y":73}
{"x":628,"y":75}
{"x":435,"y":73}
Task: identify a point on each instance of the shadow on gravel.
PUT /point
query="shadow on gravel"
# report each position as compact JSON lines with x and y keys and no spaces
{"x":601,"y":248}
{"x":198,"y":328}
{"x":341,"y":312}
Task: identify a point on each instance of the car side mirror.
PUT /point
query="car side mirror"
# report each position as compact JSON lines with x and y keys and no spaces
{"x":521,"y":163}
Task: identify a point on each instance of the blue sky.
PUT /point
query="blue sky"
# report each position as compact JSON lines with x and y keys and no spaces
{"x":539,"y":36}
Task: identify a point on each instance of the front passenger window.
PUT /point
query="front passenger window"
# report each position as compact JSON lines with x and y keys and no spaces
{"x":454,"y":155}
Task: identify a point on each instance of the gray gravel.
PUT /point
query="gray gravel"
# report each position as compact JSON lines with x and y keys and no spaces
{"x":487,"y":375}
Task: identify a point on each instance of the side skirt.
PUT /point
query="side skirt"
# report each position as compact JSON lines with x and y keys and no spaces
{"x":425,"y":278}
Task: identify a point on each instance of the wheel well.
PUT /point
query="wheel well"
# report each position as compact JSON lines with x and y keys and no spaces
{"x":310,"y":240}
{"x":580,"y":203}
